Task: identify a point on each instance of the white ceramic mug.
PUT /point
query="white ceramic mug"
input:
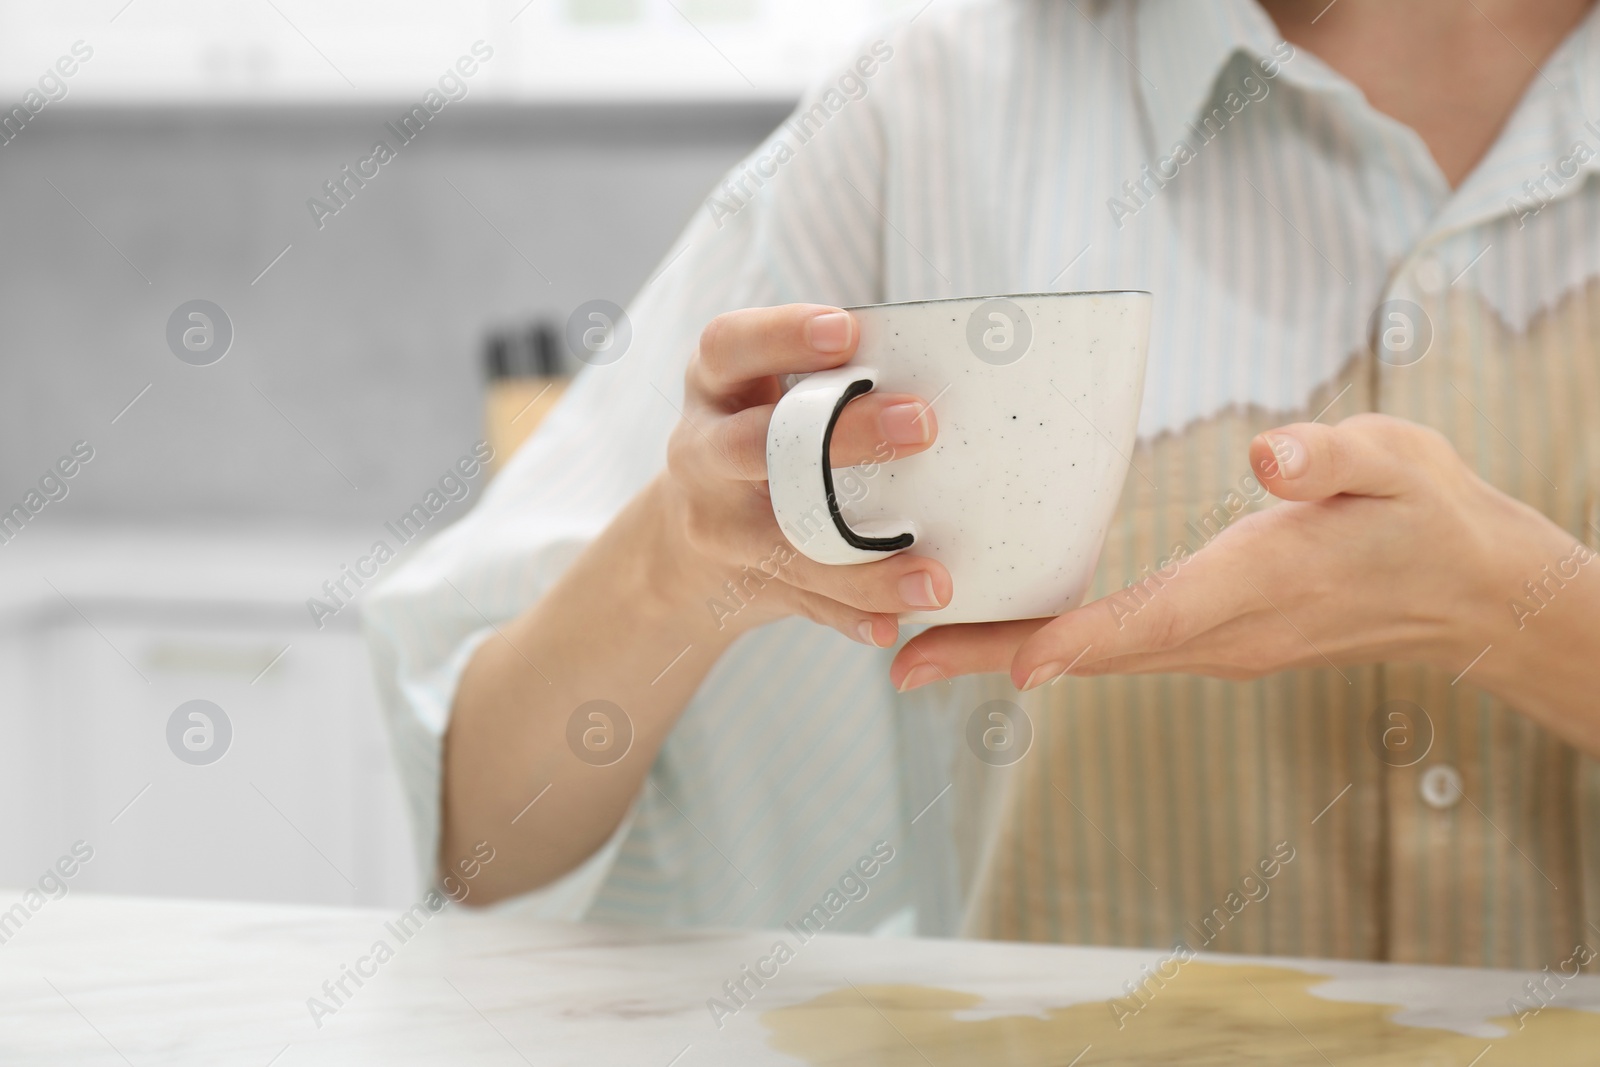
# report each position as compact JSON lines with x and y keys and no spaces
{"x":1037,"y":403}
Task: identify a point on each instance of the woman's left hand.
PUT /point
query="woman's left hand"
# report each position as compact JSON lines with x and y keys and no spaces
{"x":1388,"y":549}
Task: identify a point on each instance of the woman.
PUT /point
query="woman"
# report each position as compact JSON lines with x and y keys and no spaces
{"x":1334,"y":691}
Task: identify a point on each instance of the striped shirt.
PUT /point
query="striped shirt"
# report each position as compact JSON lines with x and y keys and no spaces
{"x":1179,"y":146}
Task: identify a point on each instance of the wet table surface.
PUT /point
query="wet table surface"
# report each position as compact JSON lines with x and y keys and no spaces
{"x":104,"y":981}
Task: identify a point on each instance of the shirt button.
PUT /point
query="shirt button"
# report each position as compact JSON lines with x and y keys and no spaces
{"x":1440,"y":786}
{"x":1429,"y":275}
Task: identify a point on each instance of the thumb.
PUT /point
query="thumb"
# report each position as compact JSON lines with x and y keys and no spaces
{"x":1362,"y":456}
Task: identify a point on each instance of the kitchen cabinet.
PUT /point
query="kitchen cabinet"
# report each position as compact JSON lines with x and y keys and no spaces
{"x":531,"y":50}
{"x":302,"y":806}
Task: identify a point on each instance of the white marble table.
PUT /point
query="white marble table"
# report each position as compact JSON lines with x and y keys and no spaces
{"x":103,"y":980}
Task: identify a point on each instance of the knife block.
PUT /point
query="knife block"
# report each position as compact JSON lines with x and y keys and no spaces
{"x":524,"y":384}
{"x":514,"y":407}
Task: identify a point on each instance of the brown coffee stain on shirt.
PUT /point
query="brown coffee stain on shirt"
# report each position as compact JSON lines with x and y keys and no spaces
{"x":1209,"y":1015}
{"x":1183,"y":782}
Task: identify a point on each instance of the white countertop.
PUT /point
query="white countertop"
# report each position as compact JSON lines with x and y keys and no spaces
{"x":103,"y":980}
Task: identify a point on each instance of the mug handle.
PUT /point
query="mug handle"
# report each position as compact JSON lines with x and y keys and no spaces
{"x":800,"y":478}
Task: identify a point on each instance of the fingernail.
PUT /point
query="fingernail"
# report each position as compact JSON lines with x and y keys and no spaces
{"x":1290,"y":454}
{"x":1042,"y":675}
{"x":916,"y":676}
{"x":864,"y":634}
{"x":829,"y":332}
{"x":906,"y":424}
{"x":916,"y":589}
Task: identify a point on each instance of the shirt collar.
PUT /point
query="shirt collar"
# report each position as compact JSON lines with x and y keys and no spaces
{"x":1550,"y":146}
{"x":1183,"y":45}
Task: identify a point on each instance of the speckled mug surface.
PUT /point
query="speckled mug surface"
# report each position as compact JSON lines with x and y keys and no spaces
{"x":1037,"y":401}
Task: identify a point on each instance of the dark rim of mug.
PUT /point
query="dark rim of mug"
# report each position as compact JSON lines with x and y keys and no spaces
{"x":998,"y":296}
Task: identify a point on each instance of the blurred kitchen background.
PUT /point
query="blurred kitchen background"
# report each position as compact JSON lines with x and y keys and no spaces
{"x":173,"y":164}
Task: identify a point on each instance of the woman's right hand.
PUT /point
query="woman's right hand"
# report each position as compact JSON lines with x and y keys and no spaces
{"x":718,"y":511}
{"x":633,"y":620}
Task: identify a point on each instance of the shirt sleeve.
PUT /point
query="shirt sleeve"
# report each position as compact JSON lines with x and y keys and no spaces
{"x":796,"y":220}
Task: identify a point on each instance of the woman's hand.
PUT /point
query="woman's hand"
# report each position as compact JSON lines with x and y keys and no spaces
{"x":714,"y":491}
{"x":645,"y":610}
{"x":1389,"y":549}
